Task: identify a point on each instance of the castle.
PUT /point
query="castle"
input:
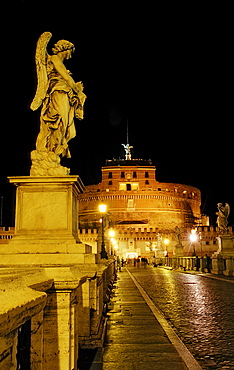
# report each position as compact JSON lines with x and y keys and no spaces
{"x":139,"y":208}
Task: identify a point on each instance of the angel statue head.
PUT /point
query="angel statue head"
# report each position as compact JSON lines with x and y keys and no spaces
{"x":63,"y":45}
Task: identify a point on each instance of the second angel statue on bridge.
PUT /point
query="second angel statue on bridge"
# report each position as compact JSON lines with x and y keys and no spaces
{"x":61,"y":100}
{"x":222,"y":219}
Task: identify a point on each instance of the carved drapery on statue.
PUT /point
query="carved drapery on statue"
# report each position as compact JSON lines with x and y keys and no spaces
{"x":62,"y":100}
{"x":222,"y":219}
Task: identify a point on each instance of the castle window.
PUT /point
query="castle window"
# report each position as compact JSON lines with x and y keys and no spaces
{"x":134,"y":175}
{"x":122,"y":186}
{"x":110,"y":175}
{"x":110,"y":183}
{"x":146,"y":182}
{"x":122,"y":175}
{"x":129,"y":187}
{"x":147,"y":174}
{"x":135,"y":185}
{"x":159,"y":189}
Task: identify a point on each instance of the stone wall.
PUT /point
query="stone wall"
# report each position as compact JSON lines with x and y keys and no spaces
{"x":53,"y":312}
{"x":132,"y":194}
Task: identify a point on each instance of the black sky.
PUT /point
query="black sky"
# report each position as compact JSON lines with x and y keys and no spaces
{"x":167,"y":70}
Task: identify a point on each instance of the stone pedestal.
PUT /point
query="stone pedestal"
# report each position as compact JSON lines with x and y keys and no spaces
{"x":46,"y":223}
{"x":225,"y":244}
{"x":222,"y":259}
{"x":178,"y":250}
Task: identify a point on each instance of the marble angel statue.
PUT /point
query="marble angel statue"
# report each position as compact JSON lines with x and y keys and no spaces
{"x":223,"y":213}
{"x":61,"y":100}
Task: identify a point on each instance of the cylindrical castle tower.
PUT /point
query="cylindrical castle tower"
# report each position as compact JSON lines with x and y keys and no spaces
{"x":134,"y":198}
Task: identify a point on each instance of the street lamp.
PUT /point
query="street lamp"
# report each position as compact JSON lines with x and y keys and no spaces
{"x":166,"y":242}
{"x":193,"y":238}
{"x":112,"y":239}
{"x":102,"y":210}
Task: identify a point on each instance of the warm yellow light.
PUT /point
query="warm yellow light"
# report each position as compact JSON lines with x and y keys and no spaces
{"x":193,"y":236}
{"x":102,"y":208}
{"x":113,"y":241}
{"x":111,"y":233}
{"x":166,"y":241}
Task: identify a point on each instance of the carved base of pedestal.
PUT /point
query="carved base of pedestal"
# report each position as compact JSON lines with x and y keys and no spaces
{"x":46,"y":223}
{"x":178,"y":250}
{"x":225,"y":245}
{"x":222,"y":260}
{"x":47,"y":164}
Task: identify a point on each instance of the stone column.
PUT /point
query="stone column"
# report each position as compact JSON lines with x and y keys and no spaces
{"x":57,"y":331}
{"x":61,"y":318}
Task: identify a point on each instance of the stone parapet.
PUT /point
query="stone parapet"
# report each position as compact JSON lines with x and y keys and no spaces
{"x":59,"y":309}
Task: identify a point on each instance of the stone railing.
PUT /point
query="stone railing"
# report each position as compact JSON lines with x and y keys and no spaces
{"x":6,"y":235}
{"x":221,"y":265}
{"x":47,"y":314}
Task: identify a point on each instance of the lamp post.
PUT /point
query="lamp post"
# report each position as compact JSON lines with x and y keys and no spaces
{"x":102,"y":210}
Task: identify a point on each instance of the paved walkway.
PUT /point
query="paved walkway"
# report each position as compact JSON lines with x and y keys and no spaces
{"x":135,"y":339}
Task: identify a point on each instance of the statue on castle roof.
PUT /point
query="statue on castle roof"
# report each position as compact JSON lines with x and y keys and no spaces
{"x":222,"y":219}
{"x":127,"y":149}
{"x":61,"y":99}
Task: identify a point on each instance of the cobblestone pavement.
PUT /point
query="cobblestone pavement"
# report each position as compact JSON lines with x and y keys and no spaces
{"x":200,"y":309}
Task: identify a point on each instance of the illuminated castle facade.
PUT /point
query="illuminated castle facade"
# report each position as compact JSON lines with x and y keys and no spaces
{"x":139,"y":207}
{"x":134,"y":197}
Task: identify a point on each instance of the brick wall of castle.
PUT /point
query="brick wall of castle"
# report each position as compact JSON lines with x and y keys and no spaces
{"x":133,"y":195}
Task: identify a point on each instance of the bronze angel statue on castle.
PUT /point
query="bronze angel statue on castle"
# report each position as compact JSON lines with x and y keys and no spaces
{"x":61,"y":100}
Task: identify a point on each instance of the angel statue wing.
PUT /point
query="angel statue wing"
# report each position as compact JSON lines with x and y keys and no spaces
{"x":41,"y":61}
{"x":227,"y":210}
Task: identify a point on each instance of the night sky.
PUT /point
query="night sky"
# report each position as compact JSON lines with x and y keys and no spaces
{"x":167,"y":70}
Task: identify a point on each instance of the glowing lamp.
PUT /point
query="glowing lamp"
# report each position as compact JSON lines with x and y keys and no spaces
{"x":111,"y":233}
{"x":102,"y":208}
{"x":193,"y":236}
